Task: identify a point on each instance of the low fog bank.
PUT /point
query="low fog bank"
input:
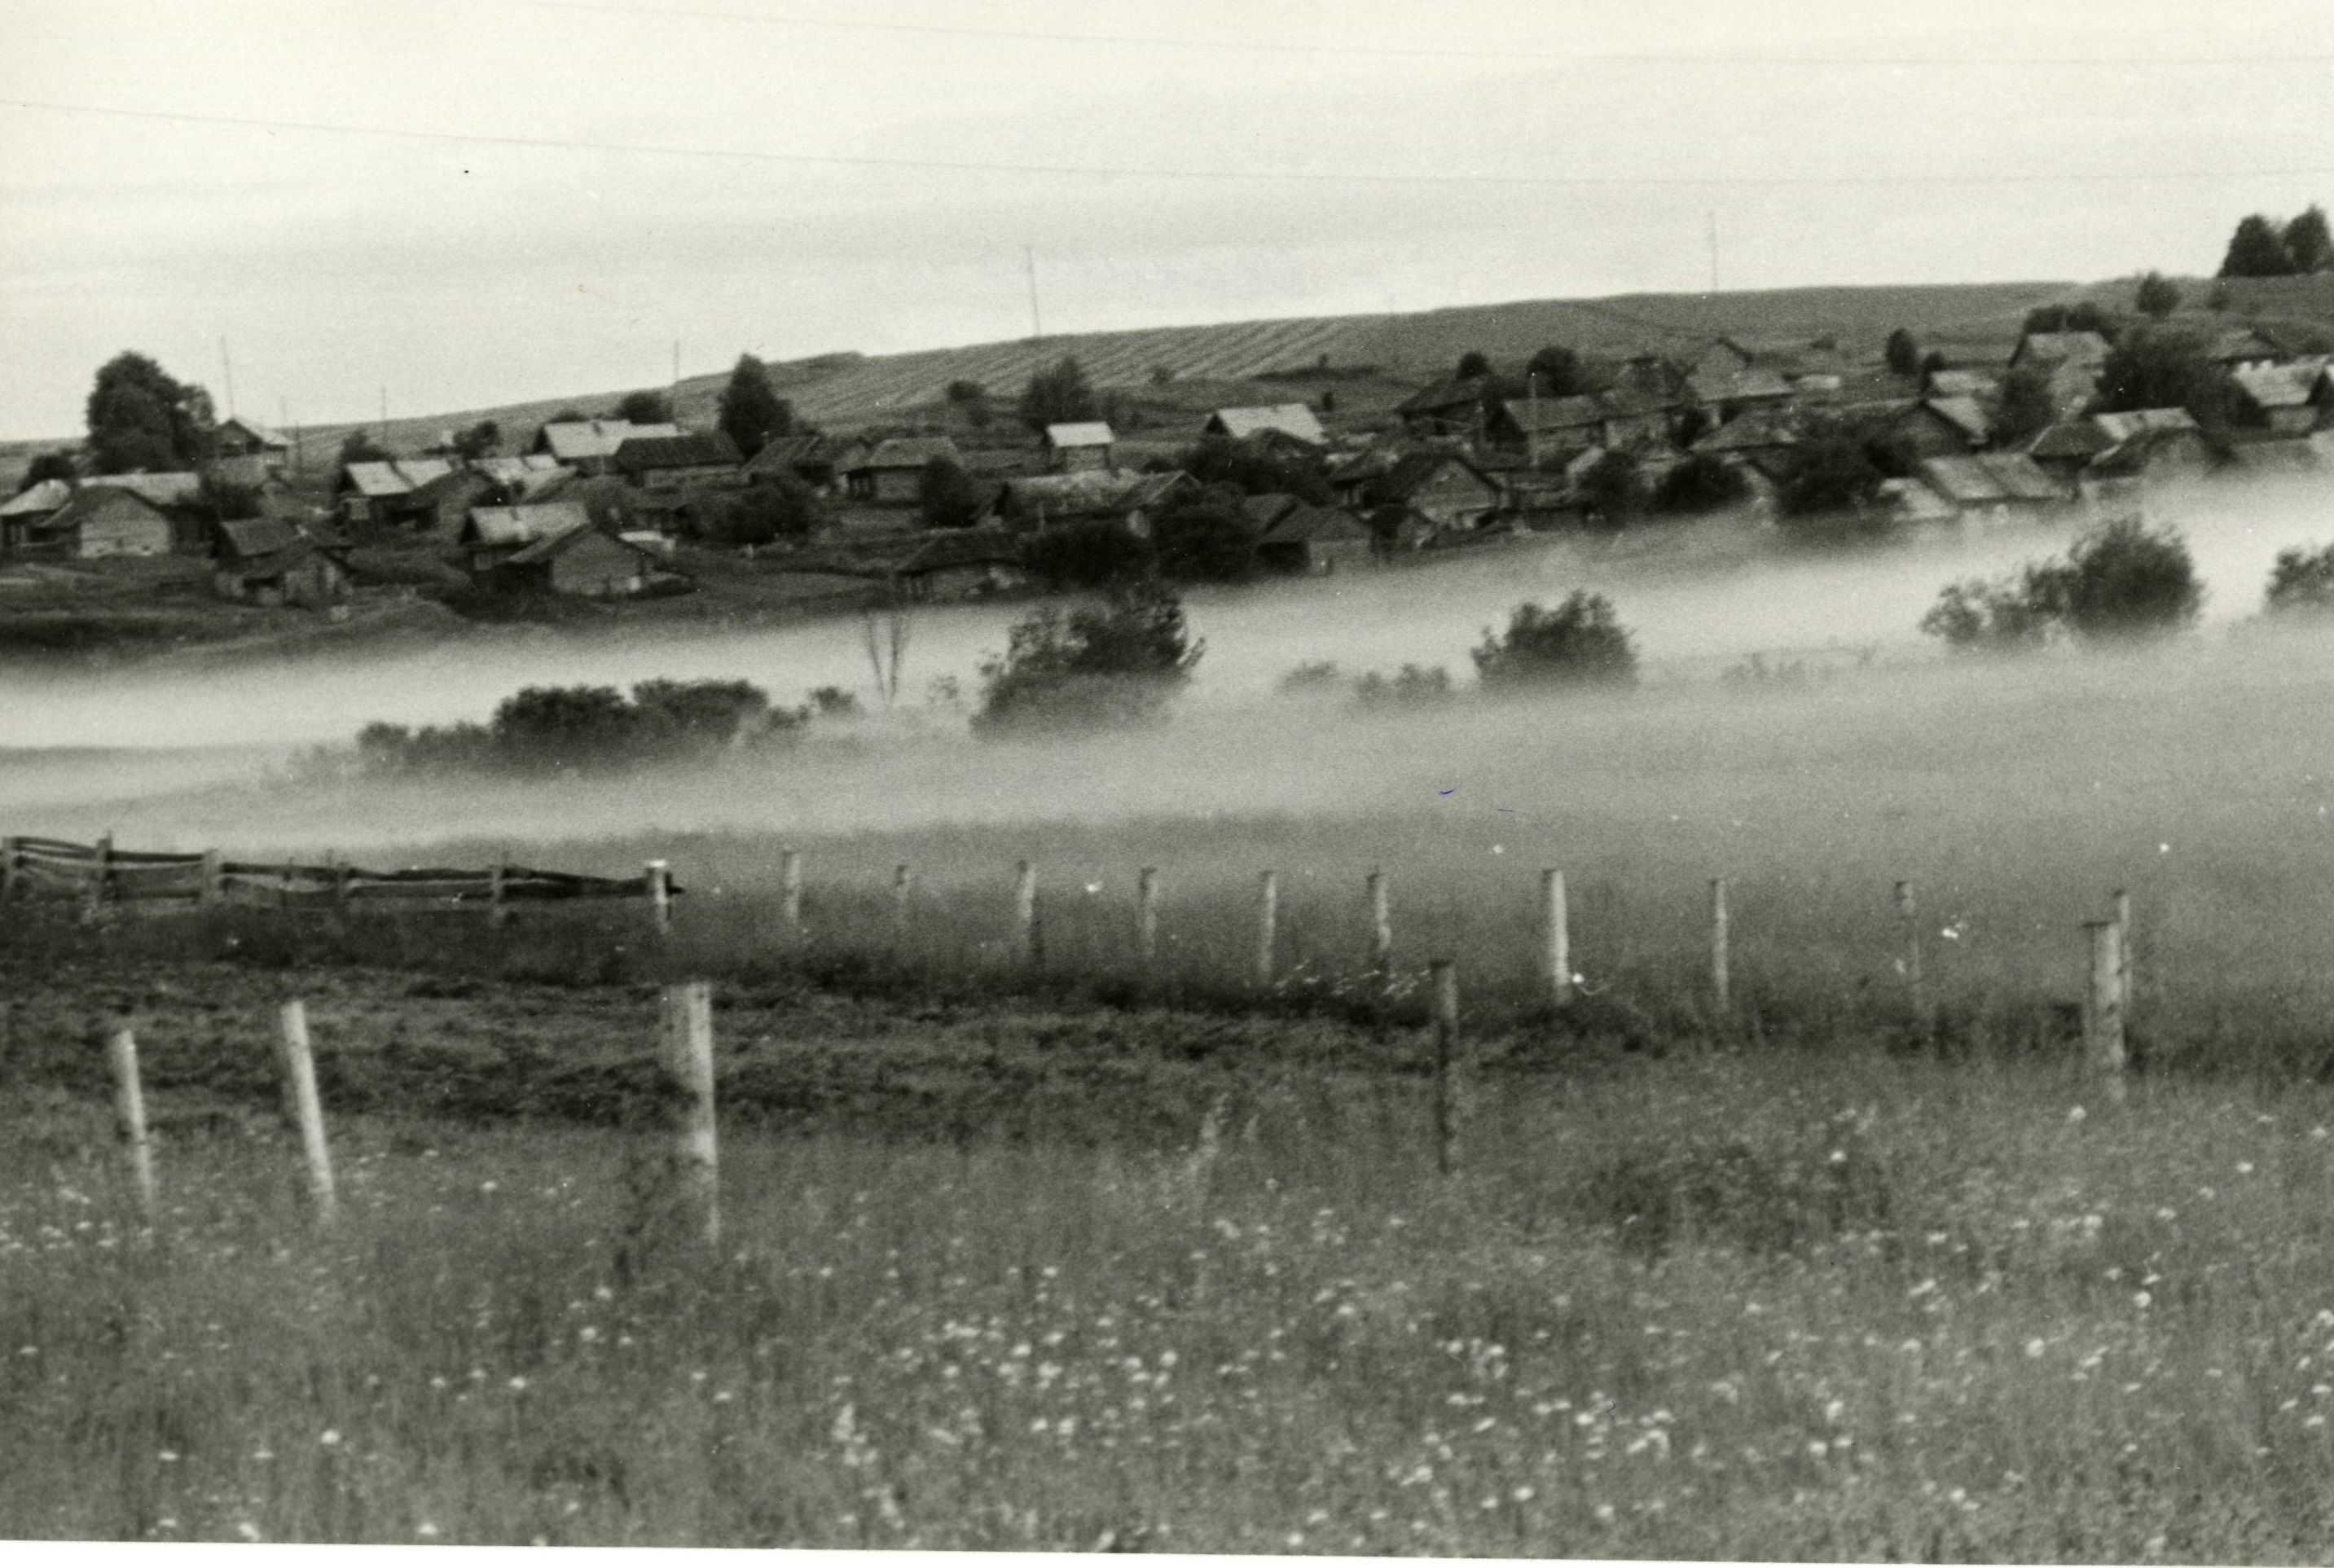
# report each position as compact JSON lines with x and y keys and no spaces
{"x":1699,"y":597}
{"x":2215,"y":719}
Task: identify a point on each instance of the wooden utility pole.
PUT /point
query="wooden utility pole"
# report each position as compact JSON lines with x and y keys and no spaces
{"x":1556,"y":938}
{"x":1443,"y":980}
{"x":688,"y":1063}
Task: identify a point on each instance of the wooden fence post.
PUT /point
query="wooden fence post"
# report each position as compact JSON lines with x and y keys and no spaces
{"x":1027,"y":944}
{"x":1443,"y":978}
{"x":308,"y":1110}
{"x":1908,"y":925}
{"x":1267,"y":920}
{"x":688,"y":1061}
{"x":10,"y":853}
{"x":1381,"y":925}
{"x":497,"y":911}
{"x":1721,"y":987}
{"x":903,"y":887}
{"x":2103,"y":1039}
{"x":2123,"y":949}
{"x":214,"y":881}
{"x":790,"y":890}
{"x":1146,"y":918}
{"x":100,"y":879}
{"x":129,"y":1118}
{"x":660,"y":879}
{"x":1556,"y":938}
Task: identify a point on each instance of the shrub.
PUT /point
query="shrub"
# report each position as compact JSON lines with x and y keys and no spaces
{"x":1206,"y":538}
{"x":1088,"y":555}
{"x":1308,"y":678}
{"x":1120,"y":662}
{"x":774,"y":506}
{"x":1827,"y":496}
{"x":1702,"y":483}
{"x":1414,"y":686}
{"x":834,"y":702}
{"x":2005,"y":616}
{"x":1613,"y":491}
{"x":2301,"y":580}
{"x":2120,"y":580}
{"x":1255,"y":469}
{"x":1580,"y":641}
{"x":574,"y":728}
{"x":948,"y":496}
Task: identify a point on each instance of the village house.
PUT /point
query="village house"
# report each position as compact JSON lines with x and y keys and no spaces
{"x":1120,"y":495}
{"x":1076,"y":446}
{"x":810,"y":459}
{"x":1448,"y":407}
{"x":680,"y":462}
{"x":960,"y":563}
{"x":100,"y":521}
{"x":2282,"y":399}
{"x":2070,"y":360}
{"x":1992,"y":486}
{"x":589,"y":445}
{"x":524,"y":476}
{"x":1941,"y":426}
{"x":1302,"y":540}
{"x":26,"y":512}
{"x":889,"y":472}
{"x":1428,"y":495}
{"x":583,"y":563}
{"x":254,"y":449}
{"x":264,"y":560}
{"x":1285,"y":421}
{"x":1960,"y":383}
{"x":426,"y":494}
{"x":1725,"y":382}
{"x":491,"y":534}
{"x":2238,"y":350}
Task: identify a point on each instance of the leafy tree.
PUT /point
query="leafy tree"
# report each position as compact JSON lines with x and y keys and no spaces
{"x":948,"y":496}
{"x":973,"y":399}
{"x":751,"y":409}
{"x":2009,"y":615}
{"x":2256,"y":250}
{"x":1613,"y":489}
{"x":644,"y":408}
{"x":1703,"y":482}
{"x":1057,"y":395}
{"x":2162,"y":367}
{"x":1474,"y":366}
{"x":359,"y":447}
{"x":2157,"y":297}
{"x":1256,"y":467}
{"x":1414,"y":686}
{"x":2087,"y":316}
{"x":2302,"y":579}
{"x":1206,"y":538}
{"x":774,"y":506}
{"x":480,"y":440}
{"x":49,"y":466}
{"x":1581,"y":642}
{"x":1095,"y":555}
{"x":2025,"y":408}
{"x":141,"y":418}
{"x":2124,"y":581}
{"x":2308,"y":244}
{"x":218,"y":501}
{"x":1559,"y":372}
{"x":1121,"y":662}
{"x":697,"y":715}
{"x":1903,"y":353}
{"x":1831,"y":483}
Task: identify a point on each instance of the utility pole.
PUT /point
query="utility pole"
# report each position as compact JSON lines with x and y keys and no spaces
{"x":380,"y":433}
{"x":672,"y":394}
{"x":1712,"y":218}
{"x":1037,"y":324}
{"x":285,"y":425}
{"x":227,"y":365}
{"x":1531,"y":403}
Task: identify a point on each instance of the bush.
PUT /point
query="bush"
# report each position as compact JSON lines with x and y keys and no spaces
{"x":1702,"y":483}
{"x":2301,"y":580}
{"x":578,"y":729}
{"x":1414,"y":686}
{"x":2120,"y":580}
{"x":1088,"y":555}
{"x":1826,"y":498}
{"x":1612,"y":488}
{"x":774,"y":506}
{"x":1117,"y":663}
{"x":1308,"y":679}
{"x":1255,"y":469}
{"x":2009,"y":615}
{"x":1207,"y":538}
{"x":1581,"y":642}
{"x":948,"y":496}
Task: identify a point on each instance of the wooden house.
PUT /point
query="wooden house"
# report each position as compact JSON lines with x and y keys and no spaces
{"x":1939,"y":427}
{"x":2237,"y":350}
{"x":891,"y":472}
{"x":963,"y":563}
{"x":2280,"y":398}
{"x":24,"y":514}
{"x":1311,"y":541}
{"x":584,"y":563}
{"x":100,"y":521}
{"x":267,"y":561}
{"x":2071,"y":363}
{"x":1286,"y":421}
{"x":1443,"y":492}
{"x":710,"y":460}
{"x":490,"y":535}
{"x":589,"y":445}
{"x":1991,"y":485}
{"x":1448,"y":407}
{"x":810,"y":459}
{"x":264,"y":451}
{"x":1076,"y":446}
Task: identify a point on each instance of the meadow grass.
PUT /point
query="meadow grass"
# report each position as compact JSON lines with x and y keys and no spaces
{"x":1813,"y":1306}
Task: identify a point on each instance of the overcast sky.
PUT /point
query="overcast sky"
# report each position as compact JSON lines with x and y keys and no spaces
{"x":459,"y":265}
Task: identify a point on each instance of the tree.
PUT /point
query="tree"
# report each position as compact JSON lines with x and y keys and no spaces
{"x":1831,"y":483}
{"x":1703,"y":482}
{"x":2308,"y":244}
{"x":1095,"y":555}
{"x":1121,"y":662}
{"x":948,"y":496}
{"x":218,"y":501}
{"x":774,"y":506}
{"x":480,"y":440}
{"x":2256,"y":250}
{"x":141,"y":418}
{"x":2157,"y":296}
{"x":1057,"y":395}
{"x":2009,"y":615}
{"x":1206,"y":538}
{"x":2087,"y":316}
{"x":1903,"y":353}
{"x":2027,"y":406}
{"x":644,"y":408}
{"x":1474,"y":366}
{"x":1579,"y":642}
{"x":359,"y":447}
{"x":2124,"y":580}
{"x":1558,"y":373}
{"x":751,"y":409}
{"x":49,"y":466}
{"x":1613,"y":489}
{"x":1256,"y":467}
{"x":2301,"y":580}
{"x":2160,"y":367}
{"x":973,"y":399}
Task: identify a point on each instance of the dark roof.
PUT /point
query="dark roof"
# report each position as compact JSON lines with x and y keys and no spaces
{"x":1756,"y":431}
{"x":788,"y":451}
{"x":959,"y":547}
{"x":1411,"y":474}
{"x":707,"y":449}
{"x":559,"y":543}
{"x":1264,"y":511}
{"x":1449,"y":393}
{"x":909,"y":452}
{"x":1304,"y":524}
{"x":250,"y":537}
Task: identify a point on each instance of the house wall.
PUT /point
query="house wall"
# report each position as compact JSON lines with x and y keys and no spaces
{"x":895,"y":485}
{"x":691,"y":477}
{"x":1077,"y":459}
{"x":119,"y":525}
{"x":598,"y":568}
{"x":1453,"y":498}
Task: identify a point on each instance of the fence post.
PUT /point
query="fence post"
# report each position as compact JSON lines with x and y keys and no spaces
{"x":903,"y":884}
{"x":1443,"y":978}
{"x":688,"y":1061}
{"x":660,"y":879}
{"x":1268,"y":919}
{"x":214,"y":881}
{"x":1908,"y":925}
{"x":9,"y":853}
{"x":1146,"y":918}
{"x":2103,"y":1039}
{"x":2123,"y":951}
{"x":308,"y":1110}
{"x":1381,"y":925}
{"x":1026,"y":941}
{"x":497,"y":911}
{"x":790,"y":890}
{"x":1556,"y":938}
{"x":101,"y":877}
{"x":129,"y":1117}
{"x":1721,"y":988}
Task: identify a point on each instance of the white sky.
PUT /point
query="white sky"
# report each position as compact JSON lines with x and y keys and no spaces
{"x":465,"y":273}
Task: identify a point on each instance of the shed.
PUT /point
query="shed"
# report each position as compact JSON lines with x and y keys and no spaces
{"x":680,"y":462}
{"x":581,"y":562}
{"x":810,"y":459}
{"x":2280,"y":398}
{"x":1314,"y":540}
{"x":238,"y":437}
{"x":890,"y":472}
{"x":1083,"y":444}
{"x":1296,"y":421}
{"x":1444,"y":491}
{"x":589,"y":445}
{"x":267,"y":561}
{"x":24,"y":511}
{"x":102,"y":520}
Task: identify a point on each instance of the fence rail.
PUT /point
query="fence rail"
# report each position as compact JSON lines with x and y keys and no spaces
{"x":99,"y":875}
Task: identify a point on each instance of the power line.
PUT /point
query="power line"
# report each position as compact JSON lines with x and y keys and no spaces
{"x":1247,"y":176}
{"x":1374,"y":51}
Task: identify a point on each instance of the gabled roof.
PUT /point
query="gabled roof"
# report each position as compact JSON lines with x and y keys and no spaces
{"x":399,"y":477}
{"x":1542,"y":415}
{"x":533,"y":468}
{"x":89,"y":498}
{"x":907,"y":452}
{"x":1960,"y":384}
{"x":644,"y":454}
{"x":2278,"y":386}
{"x":552,"y":544}
{"x":39,"y":501}
{"x":159,"y":489}
{"x":2076,"y":440}
{"x":1304,"y":524}
{"x":1755,"y":381}
{"x":2060,"y":348}
{"x":1915,"y":502}
{"x":1988,"y":477}
{"x":2232,"y":343}
{"x":1963,"y":414}
{"x":1448,"y":394}
{"x":1296,"y":420}
{"x":2145,"y":421}
{"x":253,"y":536}
{"x":500,"y":526}
{"x":577,"y":439}
{"x":1757,"y":431}
{"x":1079,"y":433}
{"x":1412,"y":472}
{"x":260,"y":434}
{"x":786,"y":451}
